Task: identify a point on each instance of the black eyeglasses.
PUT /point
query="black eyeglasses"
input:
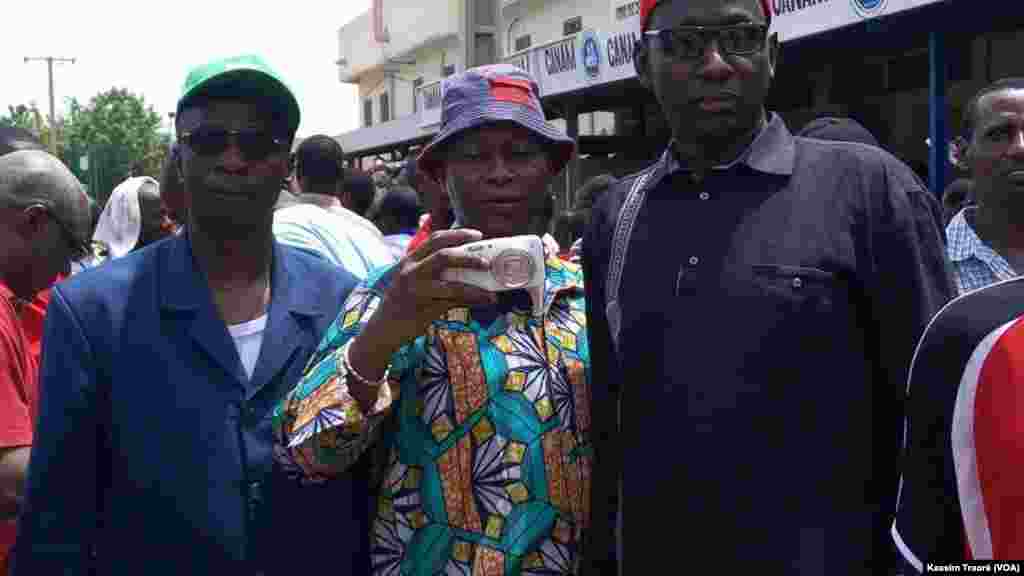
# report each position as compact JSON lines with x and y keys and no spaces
{"x":689,"y":42}
{"x":254,"y":144}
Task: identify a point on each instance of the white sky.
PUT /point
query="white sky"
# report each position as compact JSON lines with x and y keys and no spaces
{"x":148,"y":48}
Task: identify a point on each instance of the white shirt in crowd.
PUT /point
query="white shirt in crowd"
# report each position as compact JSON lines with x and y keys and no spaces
{"x":337,"y":239}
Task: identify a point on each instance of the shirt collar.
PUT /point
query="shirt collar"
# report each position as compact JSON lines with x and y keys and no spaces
{"x":964,"y":242}
{"x":773,"y":151}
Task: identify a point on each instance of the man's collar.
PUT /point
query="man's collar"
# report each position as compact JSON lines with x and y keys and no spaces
{"x":772,"y":151}
{"x":964,"y":242}
{"x":183,"y":286}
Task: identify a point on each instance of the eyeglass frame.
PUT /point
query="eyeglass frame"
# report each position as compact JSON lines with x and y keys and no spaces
{"x":705,"y":32}
{"x":185,"y":138}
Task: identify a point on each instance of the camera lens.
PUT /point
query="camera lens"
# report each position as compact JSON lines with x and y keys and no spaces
{"x":513,"y":268}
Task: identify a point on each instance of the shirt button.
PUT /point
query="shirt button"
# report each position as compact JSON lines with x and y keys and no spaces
{"x":255,"y":492}
{"x":797,"y":283}
{"x":704,"y":195}
{"x":694,"y":260}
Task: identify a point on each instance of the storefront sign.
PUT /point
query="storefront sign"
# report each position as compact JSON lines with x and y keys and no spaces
{"x":522,"y":60}
{"x":798,"y":18}
{"x":573,"y":64}
{"x":591,"y":57}
{"x":557,"y":64}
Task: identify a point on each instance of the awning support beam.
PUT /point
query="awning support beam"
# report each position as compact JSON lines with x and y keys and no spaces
{"x":938,"y":77}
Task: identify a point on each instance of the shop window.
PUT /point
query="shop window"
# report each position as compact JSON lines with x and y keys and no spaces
{"x":416,"y":85}
{"x":572,"y":26}
{"x":523,"y":42}
{"x":367,"y":112}
{"x":485,"y":50}
{"x":385,"y":107}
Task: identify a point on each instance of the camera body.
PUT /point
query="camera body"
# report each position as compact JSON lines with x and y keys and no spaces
{"x":517,"y":263}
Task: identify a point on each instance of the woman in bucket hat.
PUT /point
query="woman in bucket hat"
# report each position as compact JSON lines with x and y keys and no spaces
{"x":488,"y":464}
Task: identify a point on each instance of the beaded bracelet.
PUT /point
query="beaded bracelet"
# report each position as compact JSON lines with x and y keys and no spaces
{"x":346,"y":365}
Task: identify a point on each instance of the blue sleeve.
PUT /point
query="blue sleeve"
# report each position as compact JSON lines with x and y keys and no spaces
{"x":58,"y":524}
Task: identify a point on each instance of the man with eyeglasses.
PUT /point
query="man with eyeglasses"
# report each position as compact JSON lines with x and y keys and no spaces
{"x":44,"y":222}
{"x":749,"y":381}
{"x":153,"y":452}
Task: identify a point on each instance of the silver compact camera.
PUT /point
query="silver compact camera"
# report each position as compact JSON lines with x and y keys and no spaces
{"x":517,"y":263}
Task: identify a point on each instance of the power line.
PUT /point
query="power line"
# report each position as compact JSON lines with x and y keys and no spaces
{"x":53,"y":114}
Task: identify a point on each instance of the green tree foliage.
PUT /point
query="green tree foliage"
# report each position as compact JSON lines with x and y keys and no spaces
{"x":117,"y":131}
{"x":19,"y":116}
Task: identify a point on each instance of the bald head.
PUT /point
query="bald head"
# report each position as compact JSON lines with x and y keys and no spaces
{"x":30,"y":177}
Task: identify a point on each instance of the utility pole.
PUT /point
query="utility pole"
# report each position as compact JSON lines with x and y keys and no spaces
{"x":53,"y":114}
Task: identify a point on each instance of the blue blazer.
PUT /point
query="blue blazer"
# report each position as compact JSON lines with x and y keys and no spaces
{"x":153,"y":450}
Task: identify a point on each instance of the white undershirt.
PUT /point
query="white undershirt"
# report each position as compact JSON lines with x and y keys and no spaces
{"x":248,"y":337}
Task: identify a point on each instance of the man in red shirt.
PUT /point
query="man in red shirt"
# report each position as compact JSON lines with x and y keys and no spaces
{"x":44,"y":224}
{"x":34,"y":313}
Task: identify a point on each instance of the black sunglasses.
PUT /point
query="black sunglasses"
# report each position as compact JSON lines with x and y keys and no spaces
{"x":254,"y":144}
{"x":689,"y":42}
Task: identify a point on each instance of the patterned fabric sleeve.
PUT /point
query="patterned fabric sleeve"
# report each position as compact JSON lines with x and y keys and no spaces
{"x":319,"y":428}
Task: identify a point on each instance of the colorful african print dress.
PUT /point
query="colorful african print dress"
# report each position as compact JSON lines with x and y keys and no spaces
{"x":489,"y":470}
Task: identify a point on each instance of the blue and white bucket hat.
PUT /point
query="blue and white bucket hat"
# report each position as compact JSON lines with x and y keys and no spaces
{"x":488,"y":94}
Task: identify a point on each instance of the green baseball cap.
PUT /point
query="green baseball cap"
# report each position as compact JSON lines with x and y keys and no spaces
{"x":245,"y":75}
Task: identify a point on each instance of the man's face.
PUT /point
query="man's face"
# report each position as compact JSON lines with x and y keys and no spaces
{"x":996,"y":153}
{"x":497,"y":178}
{"x":40,"y":246}
{"x":707,"y":84}
{"x":232,"y":183}
{"x":156,"y":219}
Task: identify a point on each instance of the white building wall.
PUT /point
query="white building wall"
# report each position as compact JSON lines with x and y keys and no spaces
{"x":543,"y":20}
{"x":399,"y":79}
{"x":410,"y":25}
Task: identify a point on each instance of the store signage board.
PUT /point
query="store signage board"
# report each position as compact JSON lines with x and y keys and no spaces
{"x":573,"y":64}
{"x":799,"y":18}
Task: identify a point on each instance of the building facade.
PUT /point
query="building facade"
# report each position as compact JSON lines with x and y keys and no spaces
{"x":397,"y":53}
{"x":903,"y":68}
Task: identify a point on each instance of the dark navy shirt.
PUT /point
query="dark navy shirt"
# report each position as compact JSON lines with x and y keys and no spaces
{"x":769,"y":310}
{"x":153,"y":453}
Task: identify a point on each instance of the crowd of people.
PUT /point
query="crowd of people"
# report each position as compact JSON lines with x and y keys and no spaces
{"x":765,"y":351}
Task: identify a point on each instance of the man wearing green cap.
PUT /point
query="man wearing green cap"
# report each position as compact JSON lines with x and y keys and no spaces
{"x":153,"y":447}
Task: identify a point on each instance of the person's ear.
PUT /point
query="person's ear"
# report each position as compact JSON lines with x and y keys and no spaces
{"x":641,"y":59}
{"x":33,"y":221}
{"x":959,"y":153}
